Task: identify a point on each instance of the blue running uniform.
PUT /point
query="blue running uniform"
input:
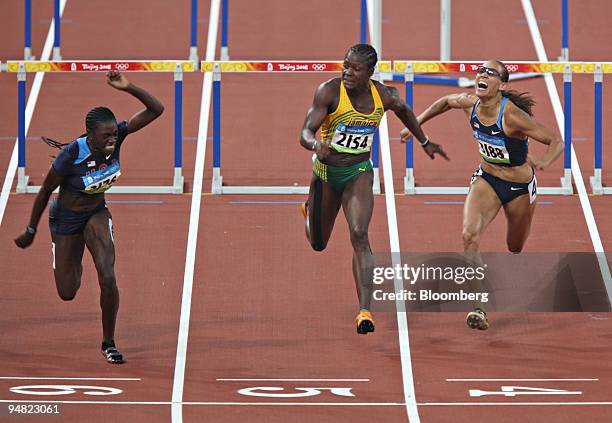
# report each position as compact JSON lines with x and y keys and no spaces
{"x":88,"y":172}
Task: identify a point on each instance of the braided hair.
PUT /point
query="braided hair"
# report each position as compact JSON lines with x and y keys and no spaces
{"x":521,"y":100}
{"x":94,"y":117}
{"x":367,"y":52}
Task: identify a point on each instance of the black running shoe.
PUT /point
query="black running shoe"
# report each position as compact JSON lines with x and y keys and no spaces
{"x":110,"y":352}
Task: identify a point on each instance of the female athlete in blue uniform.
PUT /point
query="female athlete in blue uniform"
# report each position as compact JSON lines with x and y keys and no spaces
{"x":348,"y":111}
{"x":501,"y":122}
{"x":83,"y":170}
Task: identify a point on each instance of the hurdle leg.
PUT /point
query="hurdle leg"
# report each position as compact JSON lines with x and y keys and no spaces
{"x":376,"y":163}
{"x":193,"y":48}
{"x":22,"y":178}
{"x":217,"y":180}
{"x":56,"y":40}
{"x":224,"y":24}
{"x":27,"y":46}
{"x":596,"y":184}
{"x":566,"y":179}
{"x":177,"y":184}
{"x":409,"y":185}
{"x":564,"y":32}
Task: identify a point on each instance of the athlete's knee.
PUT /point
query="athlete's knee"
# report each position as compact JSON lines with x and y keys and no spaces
{"x":470,"y":235}
{"x":106,"y":278}
{"x":318,"y":245}
{"x":359,"y":237}
{"x":515,"y":248}
{"x":67,"y":294}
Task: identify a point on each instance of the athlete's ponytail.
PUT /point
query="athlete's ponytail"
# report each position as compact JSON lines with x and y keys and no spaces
{"x":521,"y":100}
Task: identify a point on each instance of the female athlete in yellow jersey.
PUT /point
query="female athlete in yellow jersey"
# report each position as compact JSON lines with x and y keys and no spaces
{"x":348,"y":111}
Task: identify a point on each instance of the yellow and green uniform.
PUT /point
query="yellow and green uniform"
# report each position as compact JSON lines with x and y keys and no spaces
{"x":350,"y":132}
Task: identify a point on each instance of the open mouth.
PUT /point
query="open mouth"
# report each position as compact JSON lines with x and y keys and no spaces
{"x":482,"y":85}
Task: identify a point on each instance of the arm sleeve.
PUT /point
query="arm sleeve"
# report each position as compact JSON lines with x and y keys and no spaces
{"x":64,"y":160}
{"x":122,"y":131}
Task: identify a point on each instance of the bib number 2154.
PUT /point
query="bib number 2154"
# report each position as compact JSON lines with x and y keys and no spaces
{"x":353,"y":141}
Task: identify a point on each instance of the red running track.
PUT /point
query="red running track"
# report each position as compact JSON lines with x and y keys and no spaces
{"x":264,"y":306}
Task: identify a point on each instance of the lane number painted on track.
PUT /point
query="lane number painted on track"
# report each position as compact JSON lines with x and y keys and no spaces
{"x":273,"y":392}
{"x":512,"y":391}
{"x":64,"y":390}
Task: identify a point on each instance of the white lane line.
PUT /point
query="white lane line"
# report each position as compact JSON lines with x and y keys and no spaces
{"x":30,"y":106}
{"x":294,"y":380}
{"x":194,"y":218}
{"x":522,"y":380}
{"x":231,"y":403}
{"x":496,"y":404}
{"x":576,"y":172}
{"x":66,"y":378}
{"x":319,"y":404}
{"x":402,"y":322}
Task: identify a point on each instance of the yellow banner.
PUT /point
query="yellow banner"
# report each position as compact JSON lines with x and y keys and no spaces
{"x":100,"y":66}
{"x":606,"y":67}
{"x":472,"y":66}
{"x":283,"y":66}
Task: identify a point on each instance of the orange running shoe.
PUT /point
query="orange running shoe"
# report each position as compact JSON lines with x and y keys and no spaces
{"x":364,"y":322}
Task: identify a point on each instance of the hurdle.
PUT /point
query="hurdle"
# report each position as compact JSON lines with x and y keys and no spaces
{"x":27,"y":45}
{"x":409,"y":68}
{"x":177,"y":67}
{"x":273,"y":66}
{"x":598,"y":69}
{"x":363,"y":24}
{"x":57,"y":6}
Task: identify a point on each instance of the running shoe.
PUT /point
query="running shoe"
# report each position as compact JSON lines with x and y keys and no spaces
{"x":364,"y":322}
{"x":110,"y":352}
{"x":477,"y":319}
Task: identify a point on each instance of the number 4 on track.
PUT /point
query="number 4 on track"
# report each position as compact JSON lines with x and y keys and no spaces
{"x":512,"y":391}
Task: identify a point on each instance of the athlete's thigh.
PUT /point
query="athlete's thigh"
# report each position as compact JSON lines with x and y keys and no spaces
{"x":67,"y":255}
{"x":99,"y":238}
{"x":358,"y":200}
{"x":323,"y":206}
{"x":519,"y":214}
{"x":481,"y":206}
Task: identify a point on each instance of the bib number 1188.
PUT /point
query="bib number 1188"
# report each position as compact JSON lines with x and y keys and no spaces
{"x":493,"y":152}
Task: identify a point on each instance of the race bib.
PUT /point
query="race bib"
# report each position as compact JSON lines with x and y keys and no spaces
{"x":353,"y":139}
{"x":492,"y":149}
{"x":102,"y":179}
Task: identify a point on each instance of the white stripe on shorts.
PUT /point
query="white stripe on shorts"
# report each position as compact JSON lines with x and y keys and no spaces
{"x":53,"y":253}
{"x":110,"y":228}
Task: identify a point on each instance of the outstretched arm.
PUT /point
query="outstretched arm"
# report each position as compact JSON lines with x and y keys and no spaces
{"x":153,"y":110}
{"x":519,"y":124}
{"x":463,"y":101}
{"x":314,"y":119}
{"x":52,"y":181}
{"x":392,"y":101}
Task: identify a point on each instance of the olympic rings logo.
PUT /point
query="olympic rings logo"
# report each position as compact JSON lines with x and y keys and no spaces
{"x":122,"y":66}
{"x":512,"y":68}
{"x":319,"y":66}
